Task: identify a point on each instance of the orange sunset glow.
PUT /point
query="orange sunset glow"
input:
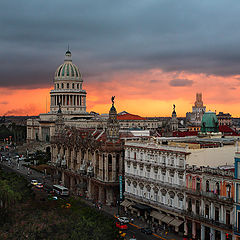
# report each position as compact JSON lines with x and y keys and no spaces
{"x":146,"y":93}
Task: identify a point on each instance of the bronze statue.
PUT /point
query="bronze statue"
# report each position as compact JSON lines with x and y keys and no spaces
{"x":174,"y":107}
{"x":113,"y":97}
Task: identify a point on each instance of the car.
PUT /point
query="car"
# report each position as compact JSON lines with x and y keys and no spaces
{"x":147,"y":231}
{"x":39,"y":185}
{"x":51,"y":197}
{"x":22,"y":158}
{"x":34,"y":182}
{"x":121,"y":226}
{"x":123,"y":219}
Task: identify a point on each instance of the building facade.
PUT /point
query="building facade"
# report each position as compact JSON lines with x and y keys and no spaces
{"x":69,"y":93}
{"x":237,"y":196}
{"x":89,"y":161}
{"x":224,"y":119}
{"x":162,"y":188}
{"x":209,"y":203}
{"x":154,"y":183}
{"x":195,"y":117}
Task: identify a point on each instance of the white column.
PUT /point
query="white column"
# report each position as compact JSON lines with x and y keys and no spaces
{"x":212,"y":234}
{"x":223,"y":236}
{"x":212,"y":211}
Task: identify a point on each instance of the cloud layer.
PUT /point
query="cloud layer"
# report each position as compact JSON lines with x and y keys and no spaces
{"x":117,"y":43}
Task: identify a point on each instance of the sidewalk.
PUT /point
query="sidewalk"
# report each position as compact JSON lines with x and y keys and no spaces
{"x":137,"y":222}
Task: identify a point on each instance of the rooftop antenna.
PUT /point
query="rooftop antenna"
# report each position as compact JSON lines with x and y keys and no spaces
{"x":68,"y":47}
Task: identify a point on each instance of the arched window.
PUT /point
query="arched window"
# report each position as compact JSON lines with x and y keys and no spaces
{"x":228,"y":191}
{"x":198,"y":184}
{"x":190,"y":205}
{"x":58,"y":85}
{"x":67,"y":85}
{"x":78,"y":86}
{"x":217,"y":188}
{"x":62,"y":85}
{"x":73,"y":85}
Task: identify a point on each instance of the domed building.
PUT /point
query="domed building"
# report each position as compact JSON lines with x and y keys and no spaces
{"x":68,"y":98}
{"x":68,"y":90}
{"x":209,"y":122}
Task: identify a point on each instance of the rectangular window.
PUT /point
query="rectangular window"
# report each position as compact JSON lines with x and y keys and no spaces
{"x":228,"y":217}
{"x":238,"y":170}
{"x":238,"y":193}
{"x":217,"y":214}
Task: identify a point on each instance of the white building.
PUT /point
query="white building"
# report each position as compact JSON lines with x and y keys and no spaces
{"x":154,"y":183}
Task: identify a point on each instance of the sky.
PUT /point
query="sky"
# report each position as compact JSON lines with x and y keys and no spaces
{"x":150,"y":54}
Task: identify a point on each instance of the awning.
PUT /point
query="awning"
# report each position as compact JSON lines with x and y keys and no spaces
{"x":126,"y":203}
{"x":157,"y":215}
{"x":141,"y":206}
{"x":176,"y":222}
{"x":167,"y":219}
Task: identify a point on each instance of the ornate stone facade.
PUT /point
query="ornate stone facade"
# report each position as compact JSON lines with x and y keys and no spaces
{"x":88,"y":162}
{"x":195,"y":117}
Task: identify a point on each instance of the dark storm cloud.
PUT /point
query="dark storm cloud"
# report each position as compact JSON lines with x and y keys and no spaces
{"x":4,"y":102}
{"x":154,"y":81}
{"x":107,"y":36}
{"x":180,"y":83}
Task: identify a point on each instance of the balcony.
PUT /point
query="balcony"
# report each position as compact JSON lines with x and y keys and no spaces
{"x":153,"y":203}
{"x":207,"y":220}
{"x":155,"y":163}
{"x":157,"y":181}
{"x":217,"y":197}
{"x":193,"y":192}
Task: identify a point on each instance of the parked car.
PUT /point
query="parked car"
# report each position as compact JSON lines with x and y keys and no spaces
{"x":34,"y":182}
{"x":121,"y":226}
{"x":39,"y":185}
{"x":22,"y":158}
{"x":51,"y":197}
{"x":123,"y":219}
{"x":147,"y":231}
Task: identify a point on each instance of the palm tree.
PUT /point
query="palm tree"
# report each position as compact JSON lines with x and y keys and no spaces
{"x":8,"y":197}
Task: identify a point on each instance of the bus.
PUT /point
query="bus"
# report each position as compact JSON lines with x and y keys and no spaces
{"x":60,"y":190}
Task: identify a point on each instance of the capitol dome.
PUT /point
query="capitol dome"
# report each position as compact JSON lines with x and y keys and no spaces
{"x":67,"y":70}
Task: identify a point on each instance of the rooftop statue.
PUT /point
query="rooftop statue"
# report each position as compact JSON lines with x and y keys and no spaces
{"x":113,"y":97}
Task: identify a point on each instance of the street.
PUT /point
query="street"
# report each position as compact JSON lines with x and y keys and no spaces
{"x":108,"y":211}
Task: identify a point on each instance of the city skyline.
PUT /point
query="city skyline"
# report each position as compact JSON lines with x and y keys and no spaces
{"x":150,"y":55}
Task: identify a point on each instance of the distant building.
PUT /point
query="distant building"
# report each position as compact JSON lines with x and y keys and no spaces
{"x":224,"y":119}
{"x":195,"y":117}
{"x":209,"y":123}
